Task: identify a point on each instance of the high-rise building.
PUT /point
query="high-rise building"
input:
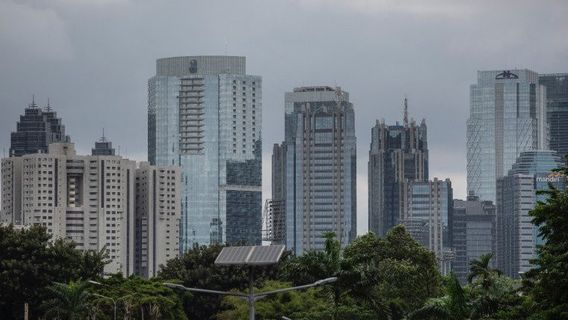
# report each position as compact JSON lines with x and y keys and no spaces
{"x":103,"y":147}
{"x":36,"y":129}
{"x":205,"y":115}
{"x":274,"y":218}
{"x":398,"y":154}
{"x":557,"y":110}
{"x":318,"y":159}
{"x":426,"y":206}
{"x":91,"y":200}
{"x":507,"y":117}
{"x":472,"y":233}
{"x":517,"y":237}
{"x":158,"y":209}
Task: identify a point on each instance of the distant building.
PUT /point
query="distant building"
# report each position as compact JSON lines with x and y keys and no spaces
{"x":556,"y":85}
{"x":472,"y":233}
{"x":275,"y":208}
{"x":157,"y":217}
{"x":319,"y":174}
{"x":507,"y":117}
{"x":90,"y":200}
{"x":103,"y":147}
{"x":426,"y":208}
{"x":398,"y":154}
{"x":36,"y":129}
{"x":205,"y":115}
{"x":517,"y":237}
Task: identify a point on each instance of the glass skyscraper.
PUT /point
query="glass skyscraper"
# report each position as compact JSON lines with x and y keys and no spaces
{"x":507,"y":117}
{"x":557,"y":110}
{"x":517,"y":237}
{"x":398,"y":154}
{"x":36,"y":129}
{"x":205,"y":115}
{"x":319,"y":167}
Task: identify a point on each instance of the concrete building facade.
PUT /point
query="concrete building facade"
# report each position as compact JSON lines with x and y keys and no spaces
{"x":398,"y":154}
{"x":318,"y":168}
{"x":89,"y":200}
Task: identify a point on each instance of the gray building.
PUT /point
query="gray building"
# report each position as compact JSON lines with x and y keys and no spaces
{"x":472,"y":232}
{"x":36,"y":129}
{"x":507,"y":117}
{"x":92,"y":201}
{"x":319,"y":172}
{"x":205,"y":115}
{"x":517,"y":237}
{"x":398,"y":154}
{"x":275,"y":208}
{"x":557,"y":110}
{"x":426,"y":207}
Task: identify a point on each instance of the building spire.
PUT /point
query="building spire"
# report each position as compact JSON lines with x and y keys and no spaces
{"x":33,"y":104}
{"x":48,"y":109}
{"x":405,"y":112}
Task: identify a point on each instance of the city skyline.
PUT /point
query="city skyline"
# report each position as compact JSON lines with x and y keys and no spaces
{"x":82,"y":83}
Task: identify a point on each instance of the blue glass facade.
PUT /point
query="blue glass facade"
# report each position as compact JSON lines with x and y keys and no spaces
{"x":205,"y":114}
{"x":507,"y":117}
{"x":517,"y":237}
{"x":557,"y":110}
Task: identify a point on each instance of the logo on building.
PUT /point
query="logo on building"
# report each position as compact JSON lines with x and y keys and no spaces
{"x":506,"y":75}
{"x":193,"y":66}
{"x":551,"y":177}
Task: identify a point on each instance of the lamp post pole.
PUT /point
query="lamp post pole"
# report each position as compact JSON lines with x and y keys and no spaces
{"x":251,"y":297}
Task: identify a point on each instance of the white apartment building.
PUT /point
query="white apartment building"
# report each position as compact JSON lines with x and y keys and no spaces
{"x":90,"y":200}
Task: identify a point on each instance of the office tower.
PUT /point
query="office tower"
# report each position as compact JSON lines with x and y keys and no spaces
{"x":557,"y":110}
{"x":318,"y":159}
{"x":103,"y":147}
{"x":275,"y":208}
{"x":205,"y":115}
{"x":90,"y":200}
{"x":472,"y":233}
{"x":158,"y":208}
{"x":517,"y":237}
{"x":507,"y":117}
{"x":36,"y":129}
{"x":398,"y":154}
{"x":425,"y":211}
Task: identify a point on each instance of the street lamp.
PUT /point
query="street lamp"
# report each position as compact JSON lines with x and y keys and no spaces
{"x":114,"y":301}
{"x":252,"y":297}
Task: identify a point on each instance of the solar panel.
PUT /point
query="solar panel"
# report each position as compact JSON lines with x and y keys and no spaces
{"x":250,"y":255}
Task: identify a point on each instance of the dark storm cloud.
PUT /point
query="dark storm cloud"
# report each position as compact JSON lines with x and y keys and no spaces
{"x":93,"y":58}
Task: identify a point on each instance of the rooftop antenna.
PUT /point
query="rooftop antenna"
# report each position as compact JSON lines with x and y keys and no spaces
{"x":33,"y":102}
{"x":48,"y":106}
{"x":103,"y":138}
{"x":405,"y":112}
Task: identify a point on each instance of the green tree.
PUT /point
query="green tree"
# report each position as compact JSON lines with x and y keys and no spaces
{"x":480,"y":269}
{"x":394,"y":274}
{"x":451,"y":306}
{"x":68,"y":301}
{"x":138,"y":298}
{"x":30,"y":262}
{"x":547,"y":282}
{"x":308,"y":304}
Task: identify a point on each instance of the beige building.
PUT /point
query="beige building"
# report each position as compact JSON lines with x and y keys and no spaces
{"x":158,"y":207}
{"x":90,"y":200}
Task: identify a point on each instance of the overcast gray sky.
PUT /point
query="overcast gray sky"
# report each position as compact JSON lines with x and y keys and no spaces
{"x":93,"y":59}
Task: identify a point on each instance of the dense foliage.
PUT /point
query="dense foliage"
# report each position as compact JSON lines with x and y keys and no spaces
{"x":30,"y":263}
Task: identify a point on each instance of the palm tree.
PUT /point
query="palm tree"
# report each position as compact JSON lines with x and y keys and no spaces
{"x":480,"y":269}
{"x":452,"y":306}
{"x":69,"y":301}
